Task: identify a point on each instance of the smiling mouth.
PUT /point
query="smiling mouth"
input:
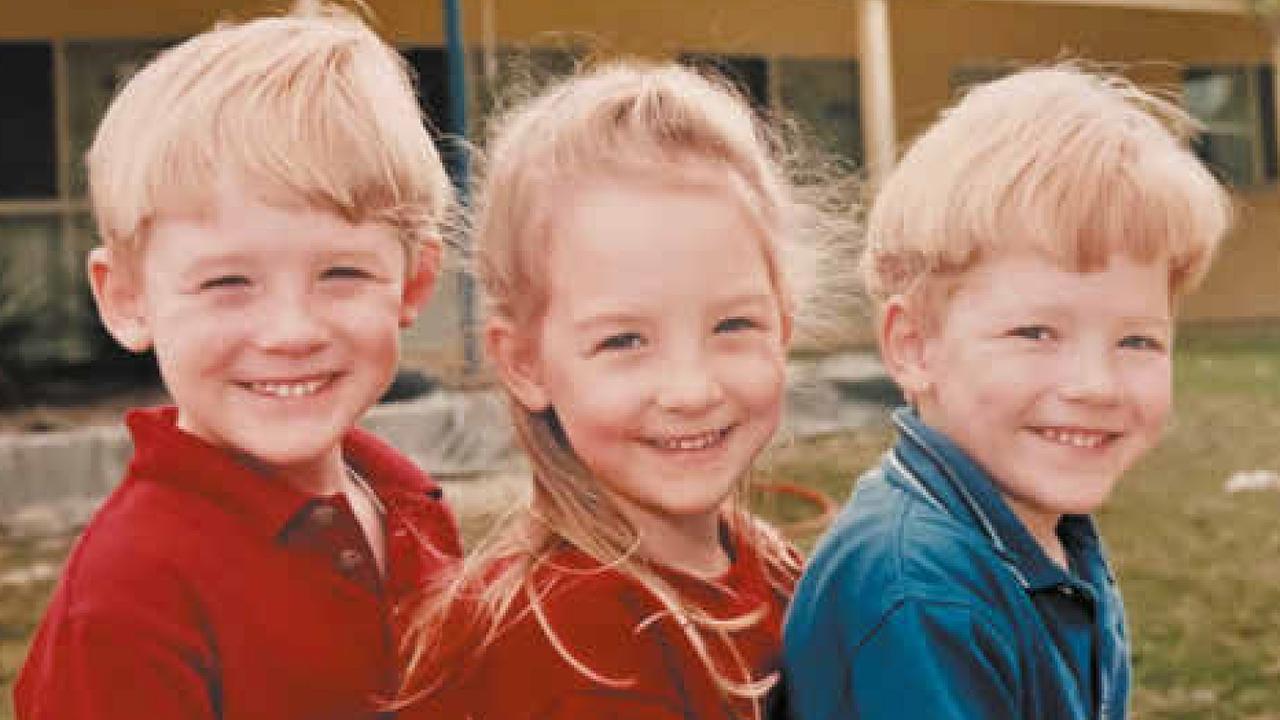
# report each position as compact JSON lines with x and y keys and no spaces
{"x":290,"y":389}
{"x":1084,"y":439}
{"x":692,"y":442}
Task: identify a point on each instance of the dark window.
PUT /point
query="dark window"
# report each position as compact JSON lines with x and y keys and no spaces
{"x":27,"y":158}
{"x":964,"y":78}
{"x":431,"y":81}
{"x":749,"y":73}
{"x":96,"y":71}
{"x":1235,"y":106}
{"x":823,"y":95}
{"x":430,"y":67}
{"x":1267,"y":99}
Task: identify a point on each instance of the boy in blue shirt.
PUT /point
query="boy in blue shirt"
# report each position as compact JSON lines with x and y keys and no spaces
{"x":1025,"y":258}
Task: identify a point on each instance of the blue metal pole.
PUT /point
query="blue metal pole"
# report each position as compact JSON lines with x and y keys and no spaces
{"x":460,"y":170}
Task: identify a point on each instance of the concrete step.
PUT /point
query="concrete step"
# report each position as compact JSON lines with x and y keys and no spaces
{"x":453,"y":434}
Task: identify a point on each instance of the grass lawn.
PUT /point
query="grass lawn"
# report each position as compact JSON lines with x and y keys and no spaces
{"x":1200,"y":568}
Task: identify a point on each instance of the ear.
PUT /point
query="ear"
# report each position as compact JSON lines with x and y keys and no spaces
{"x":515,"y":357}
{"x":420,"y":280}
{"x":120,"y":299}
{"x":903,"y":337}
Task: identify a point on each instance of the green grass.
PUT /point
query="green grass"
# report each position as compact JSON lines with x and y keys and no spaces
{"x":20,"y":607}
{"x":1200,"y":568}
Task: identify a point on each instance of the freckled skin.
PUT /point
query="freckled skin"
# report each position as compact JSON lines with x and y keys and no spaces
{"x":1054,"y":381}
{"x":274,"y":329}
{"x":662,"y":348}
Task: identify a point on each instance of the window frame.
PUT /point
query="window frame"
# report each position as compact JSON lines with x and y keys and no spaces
{"x":1258,"y":129}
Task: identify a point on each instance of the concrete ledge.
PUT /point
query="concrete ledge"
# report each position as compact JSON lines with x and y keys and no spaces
{"x":452,"y":434}
{"x":448,"y":433}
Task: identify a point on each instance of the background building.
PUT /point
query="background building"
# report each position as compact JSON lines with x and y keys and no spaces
{"x":865,"y":75}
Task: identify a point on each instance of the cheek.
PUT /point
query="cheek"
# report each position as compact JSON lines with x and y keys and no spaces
{"x":598,"y":406}
{"x":378,"y":309}
{"x":761,"y":382}
{"x":1152,"y":391}
{"x":373,"y":319}
{"x":967,"y":380}
{"x":590,"y":399}
{"x":192,"y":334}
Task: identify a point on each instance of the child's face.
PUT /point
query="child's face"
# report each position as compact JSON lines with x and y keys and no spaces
{"x":662,"y":345}
{"x":274,"y":329}
{"x":1054,"y":381}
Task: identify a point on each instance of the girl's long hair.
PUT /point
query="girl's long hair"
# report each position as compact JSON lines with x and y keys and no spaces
{"x":622,"y":120}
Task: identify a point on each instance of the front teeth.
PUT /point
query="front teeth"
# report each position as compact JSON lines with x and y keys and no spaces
{"x":1075,"y":438}
{"x":287,"y":390}
{"x":690,"y":442}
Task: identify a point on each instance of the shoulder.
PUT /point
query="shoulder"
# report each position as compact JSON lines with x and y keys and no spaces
{"x":404,"y":488}
{"x":572,"y":595}
{"x":582,"y":637}
{"x":890,"y":546}
{"x":129,"y":589}
{"x":137,"y":562}
{"x":583,"y":599}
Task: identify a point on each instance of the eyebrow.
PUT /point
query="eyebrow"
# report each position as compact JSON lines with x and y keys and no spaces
{"x":356,"y":252}
{"x":627,"y":316}
{"x":608,"y":318}
{"x":748,"y":298}
{"x":215,"y":260}
{"x":1144,"y":320}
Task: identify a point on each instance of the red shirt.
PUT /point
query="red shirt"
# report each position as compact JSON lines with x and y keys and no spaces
{"x":598,"y":615}
{"x":204,"y":590}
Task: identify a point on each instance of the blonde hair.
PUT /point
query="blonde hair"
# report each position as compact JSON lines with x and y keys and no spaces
{"x":309,"y":108}
{"x":632,"y":120}
{"x":1076,"y":165}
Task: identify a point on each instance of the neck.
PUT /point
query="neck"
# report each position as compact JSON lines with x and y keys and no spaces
{"x":322,"y":476}
{"x":1044,"y":528}
{"x":690,"y":543}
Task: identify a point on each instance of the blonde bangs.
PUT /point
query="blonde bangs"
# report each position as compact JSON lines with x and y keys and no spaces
{"x":1076,"y":166}
{"x":663,"y":122}
{"x":301,"y":111}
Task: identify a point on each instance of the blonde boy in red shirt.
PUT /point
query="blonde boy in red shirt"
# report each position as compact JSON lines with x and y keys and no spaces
{"x":268,"y":200}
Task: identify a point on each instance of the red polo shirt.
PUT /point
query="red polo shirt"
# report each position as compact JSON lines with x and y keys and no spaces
{"x":204,"y":590}
{"x":603,"y":619}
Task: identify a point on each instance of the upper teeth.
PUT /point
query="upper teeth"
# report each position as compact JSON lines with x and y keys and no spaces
{"x":689,"y":442}
{"x":285,"y":390}
{"x":1077,"y":438}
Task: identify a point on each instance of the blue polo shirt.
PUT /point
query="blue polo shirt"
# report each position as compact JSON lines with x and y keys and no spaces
{"x":929,"y":599}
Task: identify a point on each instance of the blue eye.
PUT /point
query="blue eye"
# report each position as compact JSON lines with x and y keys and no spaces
{"x":736,"y":324}
{"x":621,"y":341}
{"x":1032,"y":332}
{"x":225,"y":282}
{"x":1141,"y":342}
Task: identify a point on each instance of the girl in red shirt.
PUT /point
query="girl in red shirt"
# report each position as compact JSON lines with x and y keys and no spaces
{"x":644,"y":256}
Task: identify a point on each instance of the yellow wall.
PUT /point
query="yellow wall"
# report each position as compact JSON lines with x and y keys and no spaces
{"x":813,"y":28}
{"x":933,"y":37}
{"x":1244,"y":283}
{"x":91,"y":19}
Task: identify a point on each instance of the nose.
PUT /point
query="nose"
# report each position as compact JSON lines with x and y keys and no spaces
{"x":688,"y":384}
{"x":288,"y":323}
{"x":1091,"y":376}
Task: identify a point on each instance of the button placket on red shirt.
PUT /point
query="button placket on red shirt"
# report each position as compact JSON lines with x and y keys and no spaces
{"x":328,"y":529}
